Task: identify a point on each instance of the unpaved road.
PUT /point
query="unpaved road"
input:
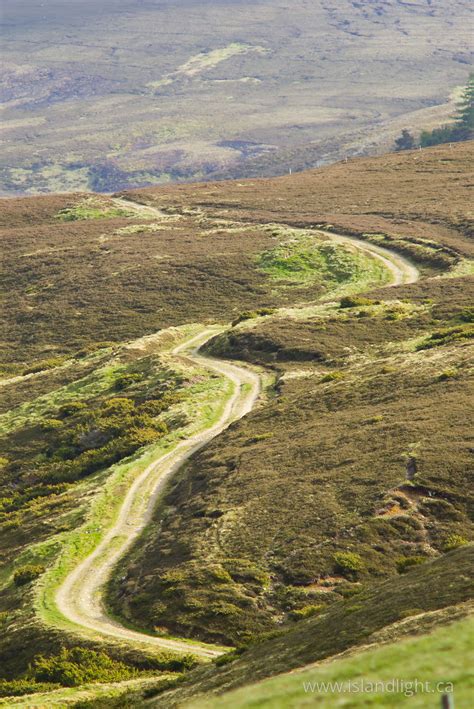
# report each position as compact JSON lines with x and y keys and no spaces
{"x":79,"y":596}
{"x":402,"y":270}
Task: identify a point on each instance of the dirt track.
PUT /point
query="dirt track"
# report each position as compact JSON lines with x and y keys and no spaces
{"x":402,"y":270}
{"x":79,"y":597}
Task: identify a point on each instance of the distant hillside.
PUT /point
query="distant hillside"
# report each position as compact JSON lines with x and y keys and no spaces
{"x":107,"y":95}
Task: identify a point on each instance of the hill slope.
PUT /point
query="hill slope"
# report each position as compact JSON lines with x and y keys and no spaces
{"x":350,"y":479}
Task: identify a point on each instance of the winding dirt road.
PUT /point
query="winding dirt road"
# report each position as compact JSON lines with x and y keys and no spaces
{"x":79,"y":596}
{"x":402,"y":270}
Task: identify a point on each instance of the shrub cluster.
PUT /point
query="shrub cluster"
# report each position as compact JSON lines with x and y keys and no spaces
{"x":76,"y":666}
{"x":19,"y":687}
{"x":44,"y":364}
{"x":454,"y":541}
{"x":354,"y":301}
{"x":89,"y":440}
{"x":250,"y":314}
{"x":405,"y":563}
{"x":26,"y":574}
{"x":306,"y":612}
{"x":447,"y":335}
{"x":348,"y":563}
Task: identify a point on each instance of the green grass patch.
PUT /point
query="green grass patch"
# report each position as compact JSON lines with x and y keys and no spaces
{"x":303,"y":258}
{"x":93,"y":208}
{"x":443,"y":659}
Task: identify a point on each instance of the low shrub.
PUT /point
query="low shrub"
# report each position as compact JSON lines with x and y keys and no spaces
{"x":348,"y":563}
{"x":94,"y":347}
{"x":410,"y":613}
{"x":354,"y":301}
{"x":405,"y":563}
{"x":306,"y":612}
{"x":467,"y":315}
{"x":447,"y":335}
{"x":155,"y":407}
{"x":77,"y":665}
{"x":374,"y":419}
{"x":244,"y":571}
{"x":226,"y":659}
{"x":117,"y":405}
{"x":250,"y":314}
{"x":348,"y":590}
{"x":26,"y":574}
{"x":454,"y":541}
{"x":260,"y":437}
{"x":44,"y":364}
{"x":73,"y":407}
{"x":447,"y":374}
{"x":125,"y":381}
{"x":332,"y":377}
{"x":19,"y":687}
{"x":51,"y":424}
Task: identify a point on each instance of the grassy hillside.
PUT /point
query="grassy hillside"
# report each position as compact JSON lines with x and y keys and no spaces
{"x":442,"y":662}
{"x":361,"y":637}
{"x":390,"y":612}
{"x":282,"y":82}
{"x":347,"y":489}
{"x":155,"y":270}
{"x":233,"y":559}
{"x":68,"y":457}
{"x":365,"y":434}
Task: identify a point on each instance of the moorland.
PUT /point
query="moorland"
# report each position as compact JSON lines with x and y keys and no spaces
{"x":333,"y":521}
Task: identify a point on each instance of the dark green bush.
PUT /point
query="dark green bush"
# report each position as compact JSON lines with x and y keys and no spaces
{"x":19,"y":687}
{"x":27,"y":573}
{"x":354,"y":301}
{"x":454,"y":541}
{"x":467,"y":315}
{"x":306,"y":612}
{"x":125,"y":381}
{"x":76,"y":666}
{"x":348,"y":563}
{"x":405,"y":563}
{"x":226,"y":659}
{"x":117,"y":406}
